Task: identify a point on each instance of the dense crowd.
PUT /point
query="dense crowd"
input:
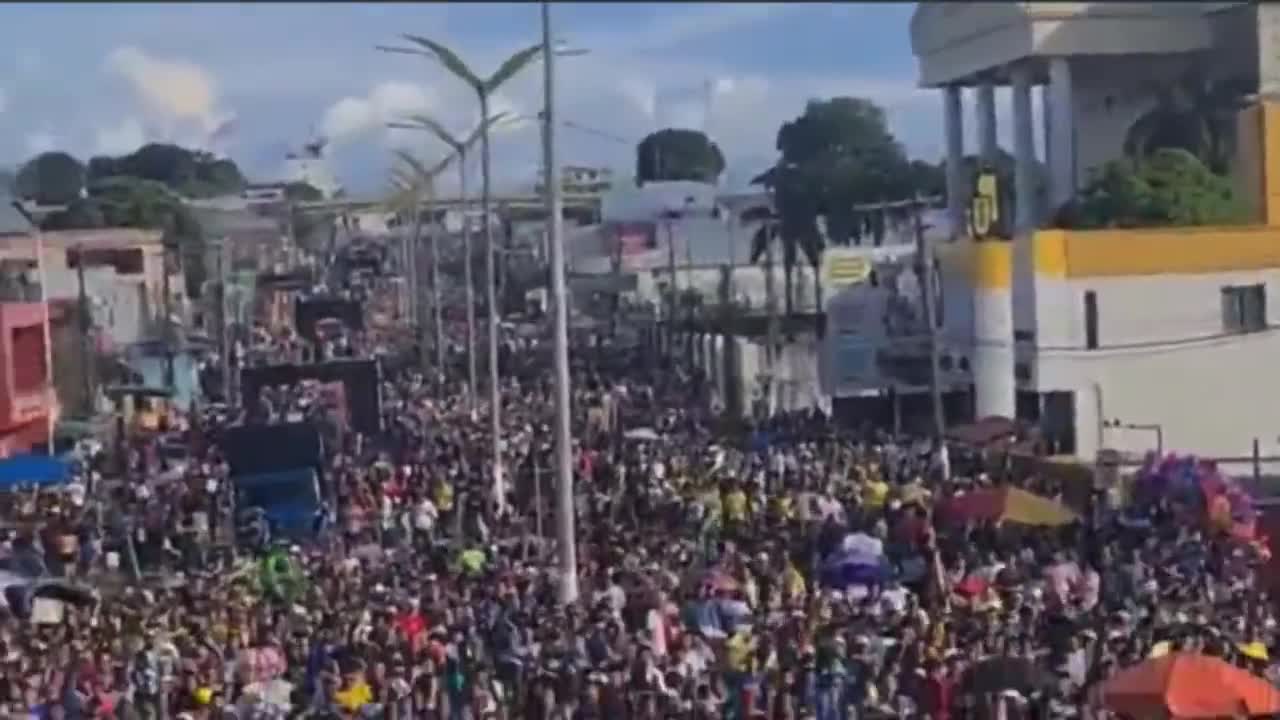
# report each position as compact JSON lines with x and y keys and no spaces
{"x":785,"y":570}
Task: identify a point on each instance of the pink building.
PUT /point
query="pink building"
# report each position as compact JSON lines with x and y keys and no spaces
{"x":27,"y":401}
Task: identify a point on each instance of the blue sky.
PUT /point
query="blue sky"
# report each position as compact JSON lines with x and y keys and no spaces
{"x":121,"y":75}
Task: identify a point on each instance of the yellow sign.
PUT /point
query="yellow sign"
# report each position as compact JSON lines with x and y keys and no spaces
{"x":844,"y":267}
{"x":984,"y":212}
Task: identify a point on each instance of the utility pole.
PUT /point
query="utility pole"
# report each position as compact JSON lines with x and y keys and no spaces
{"x":86,"y":357}
{"x":167,"y":326}
{"x":672,"y":291}
{"x":926,"y":273}
{"x":437,"y":314}
{"x":224,"y":273}
{"x":771,"y":307}
{"x":469,"y":281}
{"x":566,"y":536}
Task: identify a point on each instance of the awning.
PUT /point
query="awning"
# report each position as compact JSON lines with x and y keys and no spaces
{"x":28,"y":470}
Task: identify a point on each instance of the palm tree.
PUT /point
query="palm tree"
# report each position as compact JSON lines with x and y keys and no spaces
{"x":484,"y":88}
{"x":794,"y":225}
{"x":1196,"y":114}
{"x":412,"y":187}
{"x":460,"y":148}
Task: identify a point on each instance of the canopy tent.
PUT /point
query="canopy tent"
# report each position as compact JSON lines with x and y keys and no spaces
{"x":1186,"y":686}
{"x":28,"y":470}
{"x":1010,"y":504}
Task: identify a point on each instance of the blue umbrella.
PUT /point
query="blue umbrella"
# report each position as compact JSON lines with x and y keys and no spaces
{"x":851,"y":568}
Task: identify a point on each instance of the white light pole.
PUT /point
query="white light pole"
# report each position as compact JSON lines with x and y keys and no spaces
{"x":565,"y":534}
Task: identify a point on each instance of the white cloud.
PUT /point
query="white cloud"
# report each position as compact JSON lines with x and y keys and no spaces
{"x":173,"y":89}
{"x":40,"y":142}
{"x":352,"y":117}
{"x":121,"y":139}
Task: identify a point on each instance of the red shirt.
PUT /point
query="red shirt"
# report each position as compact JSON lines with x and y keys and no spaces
{"x":937,"y":696}
{"x":413,"y":626}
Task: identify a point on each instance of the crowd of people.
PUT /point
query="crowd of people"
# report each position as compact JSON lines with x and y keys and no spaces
{"x":786,"y":570}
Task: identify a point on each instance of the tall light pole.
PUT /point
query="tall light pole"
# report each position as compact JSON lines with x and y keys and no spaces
{"x":565,"y":534}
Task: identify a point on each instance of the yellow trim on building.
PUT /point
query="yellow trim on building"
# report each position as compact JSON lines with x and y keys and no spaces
{"x":987,"y":264}
{"x":1270,"y":155}
{"x":1162,"y":251}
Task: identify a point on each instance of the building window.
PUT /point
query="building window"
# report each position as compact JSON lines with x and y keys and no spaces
{"x":29,"y":371}
{"x":1090,"y":320}
{"x":1244,"y":308}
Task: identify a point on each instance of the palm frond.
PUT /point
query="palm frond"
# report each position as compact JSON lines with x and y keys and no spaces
{"x":488,"y":124}
{"x":406,"y":157}
{"x":759,"y":242}
{"x":405,"y":178}
{"x":450,"y":60}
{"x":511,"y":67}
{"x":435,"y":128}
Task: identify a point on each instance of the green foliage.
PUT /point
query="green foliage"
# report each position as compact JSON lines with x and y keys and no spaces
{"x":1171,"y":188}
{"x":51,"y":178}
{"x":192,"y":173}
{"x":838,"y":154}
{"x":674,"y":154}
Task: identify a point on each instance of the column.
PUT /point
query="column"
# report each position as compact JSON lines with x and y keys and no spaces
{"x":1060,"y":127}
{"x":956,"y":197}
{"x":1024,"y":154}
{"x":988,"y":146}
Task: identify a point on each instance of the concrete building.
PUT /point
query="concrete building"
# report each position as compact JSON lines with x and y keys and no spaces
{"x":1111,"y":338}
{"x":28,"y":405}
{"x":581,"y":180}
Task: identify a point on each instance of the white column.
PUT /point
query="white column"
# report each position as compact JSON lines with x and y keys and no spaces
{"x":988,"y":146}
{"x":953,"y":120}
{"x":1024,"y":153}
{"x":1060,"y":127}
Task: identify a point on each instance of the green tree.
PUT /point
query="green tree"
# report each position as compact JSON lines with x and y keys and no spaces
{"x":675,"y":154}
{"x":190,"y":172}
{"x":51,"y":178}
{"x":124,"y":201}
{"x":80,"y":214}
{"x":1171,"y":188}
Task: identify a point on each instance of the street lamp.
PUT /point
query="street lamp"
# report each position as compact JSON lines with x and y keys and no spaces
{"x":566,"y":536}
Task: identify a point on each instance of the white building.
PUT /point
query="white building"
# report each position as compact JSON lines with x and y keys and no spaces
{"x":1115,"y":338}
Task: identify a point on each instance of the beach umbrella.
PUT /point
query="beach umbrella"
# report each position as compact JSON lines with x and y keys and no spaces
{"x":1187,"y":686}
{"x":1010,"y":504}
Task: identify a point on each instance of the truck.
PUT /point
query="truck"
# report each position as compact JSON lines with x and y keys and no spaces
{"x":288,"y":500}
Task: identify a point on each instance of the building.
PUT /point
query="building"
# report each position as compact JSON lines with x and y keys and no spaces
{"x":581,"y":180}
{"x":28,"y":406}
{"x":1124,"y":339}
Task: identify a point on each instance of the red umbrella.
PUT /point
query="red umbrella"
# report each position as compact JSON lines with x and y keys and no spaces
{"x":1187,"y":686}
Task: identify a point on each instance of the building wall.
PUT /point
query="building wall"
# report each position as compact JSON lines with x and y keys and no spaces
{"x":32,"y":406}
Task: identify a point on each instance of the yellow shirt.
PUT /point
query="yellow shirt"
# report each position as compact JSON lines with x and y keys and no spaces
{"x":354,"y":697}
{"x":735,"y":505}
{"x":738,"y":651}
{"x":444,"y":496}
{"x":876,"y":493}
{"x":794,"y":581}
